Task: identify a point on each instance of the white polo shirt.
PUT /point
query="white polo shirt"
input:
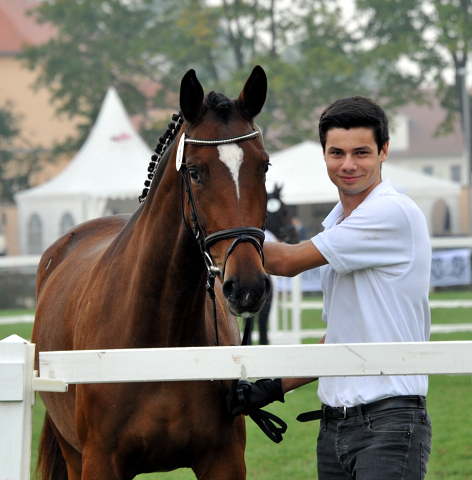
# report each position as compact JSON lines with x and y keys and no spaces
{"x":375,"y":288}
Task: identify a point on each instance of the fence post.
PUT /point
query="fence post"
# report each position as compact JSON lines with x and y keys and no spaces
{"x":274,"y":310}
{"x":16,"y":407}
{"x":297,"y":309}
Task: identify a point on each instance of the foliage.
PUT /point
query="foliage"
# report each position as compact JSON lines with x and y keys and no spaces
{"x":435,"y":36}
{"x":310,"y":51}
{"x":143,"y":48}
{"x":19,"y":160}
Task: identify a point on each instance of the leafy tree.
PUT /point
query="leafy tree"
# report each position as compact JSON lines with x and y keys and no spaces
{"x":18,"y":159}
{"x":310,"y":53}
{"x":137,"y":43}
{"x":434,"y":35}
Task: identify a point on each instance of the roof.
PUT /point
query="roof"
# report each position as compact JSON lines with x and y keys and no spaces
{"x":302,"y":172}
{"x":112,"y":162}
{"x":17,"y":28}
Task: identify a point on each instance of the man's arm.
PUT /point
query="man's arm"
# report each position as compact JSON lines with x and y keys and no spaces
{"x":289,"y":260}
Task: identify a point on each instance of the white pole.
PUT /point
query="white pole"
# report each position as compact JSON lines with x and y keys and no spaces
{"x":297,"y":309}
{"x":467,"y":147}
{"x":16,"y":407}
{"x":274,"y":311}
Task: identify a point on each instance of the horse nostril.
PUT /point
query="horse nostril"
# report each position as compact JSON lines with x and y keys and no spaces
{"x":268,"y":286}
{"x":228,"y":290}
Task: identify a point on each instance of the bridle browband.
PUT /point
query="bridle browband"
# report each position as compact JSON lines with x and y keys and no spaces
{"x":248,"y":136}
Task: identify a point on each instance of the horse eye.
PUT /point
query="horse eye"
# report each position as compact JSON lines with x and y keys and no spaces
{"x":266,"y":167}
{"x":194,"y":175}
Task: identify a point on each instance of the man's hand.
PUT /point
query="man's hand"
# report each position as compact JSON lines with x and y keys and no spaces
{"x":252,"y":396}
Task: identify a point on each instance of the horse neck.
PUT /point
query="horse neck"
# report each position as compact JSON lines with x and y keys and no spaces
{"x":169,"y":277}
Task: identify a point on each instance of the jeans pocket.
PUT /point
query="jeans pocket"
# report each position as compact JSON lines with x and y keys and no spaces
{"x":400,"y":423}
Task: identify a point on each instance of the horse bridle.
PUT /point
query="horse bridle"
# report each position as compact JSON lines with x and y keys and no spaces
{"x":252,"y":235}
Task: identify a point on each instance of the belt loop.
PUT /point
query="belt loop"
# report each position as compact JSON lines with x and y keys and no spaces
{"x":324,"y":420}
{"x":422,"y":402}
{"x":360,"y":415}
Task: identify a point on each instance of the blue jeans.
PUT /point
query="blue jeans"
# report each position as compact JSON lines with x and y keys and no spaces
{"x":386,"y":445}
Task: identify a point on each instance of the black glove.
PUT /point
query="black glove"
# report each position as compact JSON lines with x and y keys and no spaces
{"x":249,"y":397}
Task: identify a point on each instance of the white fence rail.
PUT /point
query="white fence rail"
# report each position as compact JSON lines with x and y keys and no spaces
{"x":18,"y":382}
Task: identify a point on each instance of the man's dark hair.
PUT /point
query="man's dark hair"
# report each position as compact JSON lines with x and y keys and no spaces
{"x":354,"y":112}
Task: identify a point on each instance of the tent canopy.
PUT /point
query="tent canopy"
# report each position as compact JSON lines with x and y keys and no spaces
{"x":112,"y":162}
{"x":301,"y":170}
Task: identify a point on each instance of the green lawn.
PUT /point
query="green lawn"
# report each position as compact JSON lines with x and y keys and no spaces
{"x":449,"y":404}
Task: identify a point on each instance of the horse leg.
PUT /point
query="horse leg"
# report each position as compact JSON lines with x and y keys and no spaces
{"x":57,"y":459}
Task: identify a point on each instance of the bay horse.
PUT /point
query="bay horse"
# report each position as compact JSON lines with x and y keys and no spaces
{"x":139,"y":281}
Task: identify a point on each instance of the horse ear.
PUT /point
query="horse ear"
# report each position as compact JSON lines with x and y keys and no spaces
{"x":191,"y":96}
{"x":253,"y":96}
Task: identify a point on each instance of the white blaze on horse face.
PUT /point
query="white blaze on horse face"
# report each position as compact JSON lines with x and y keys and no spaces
{"x":232,"y":156}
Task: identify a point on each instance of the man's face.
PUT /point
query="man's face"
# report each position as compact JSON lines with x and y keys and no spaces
{"x":353,"y":161}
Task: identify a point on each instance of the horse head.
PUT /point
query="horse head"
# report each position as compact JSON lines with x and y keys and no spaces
{"x":279,"y":221}
{"x":223,"y":164}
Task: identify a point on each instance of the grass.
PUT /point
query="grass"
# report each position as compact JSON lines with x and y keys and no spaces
{"x":449,"y":404}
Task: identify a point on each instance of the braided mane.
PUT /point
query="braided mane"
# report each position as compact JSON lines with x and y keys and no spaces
{"x":167,"y":138}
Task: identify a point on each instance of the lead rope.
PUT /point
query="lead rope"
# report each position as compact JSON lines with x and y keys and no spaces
{"x":274,"y":427}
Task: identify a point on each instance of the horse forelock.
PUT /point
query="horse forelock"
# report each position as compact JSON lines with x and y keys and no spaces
{"x":220,"y":104}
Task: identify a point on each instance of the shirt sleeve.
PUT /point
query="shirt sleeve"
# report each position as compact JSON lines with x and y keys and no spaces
{"x":374,"y":236}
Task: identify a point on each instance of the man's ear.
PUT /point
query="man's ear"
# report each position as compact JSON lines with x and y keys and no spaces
{"x":384,"y":151}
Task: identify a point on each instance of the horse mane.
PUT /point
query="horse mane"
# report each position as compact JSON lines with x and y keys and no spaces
{"x":162,"y":152}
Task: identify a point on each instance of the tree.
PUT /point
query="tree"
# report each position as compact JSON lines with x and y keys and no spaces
{"x":135,"y":44}
{"x":434,"y":35}
{"x":311,"y":56}
{"x":19,"y":160}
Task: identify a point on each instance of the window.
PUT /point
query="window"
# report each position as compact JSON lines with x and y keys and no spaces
{"x":67,"y":222}
{"x":456,"y":173}
{"x":34,"y":236}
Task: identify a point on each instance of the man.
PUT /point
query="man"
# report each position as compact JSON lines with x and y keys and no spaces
{"x":375,"y":258}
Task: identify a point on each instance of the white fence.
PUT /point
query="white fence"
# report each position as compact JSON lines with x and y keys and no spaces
{"x":18,"y":381}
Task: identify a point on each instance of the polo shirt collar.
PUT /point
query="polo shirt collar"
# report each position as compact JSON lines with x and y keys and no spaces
{"x":337,"y":214}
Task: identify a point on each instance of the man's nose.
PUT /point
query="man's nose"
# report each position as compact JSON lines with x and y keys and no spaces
{"x":349,"y":162}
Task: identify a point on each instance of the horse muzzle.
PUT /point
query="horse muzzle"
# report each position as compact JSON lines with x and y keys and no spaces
{"x":244,"y":299}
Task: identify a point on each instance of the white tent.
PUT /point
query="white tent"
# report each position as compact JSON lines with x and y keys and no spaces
{"x":106,"y":176}
{"x":302,"y":172}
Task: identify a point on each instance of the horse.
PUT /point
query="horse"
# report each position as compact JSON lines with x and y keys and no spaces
{"x":139,"y":281}
{"x":279,"y":223}
{"x":279,"y":220}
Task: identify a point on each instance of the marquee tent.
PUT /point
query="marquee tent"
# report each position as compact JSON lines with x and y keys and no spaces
{"x":106,"y":176}
{"x":302,"y":172}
